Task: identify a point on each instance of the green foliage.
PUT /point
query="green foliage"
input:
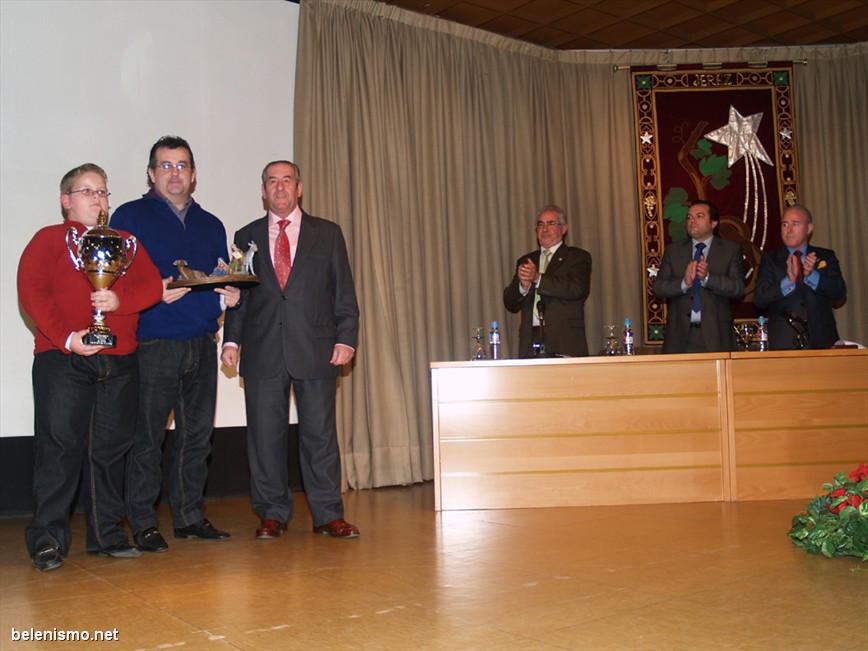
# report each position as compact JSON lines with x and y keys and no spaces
{"x":675,"y":212}
{"x":715,"y":167}
{"x":836,"y":524}
{"x":710,"y":165}
{"x":702,"y":149}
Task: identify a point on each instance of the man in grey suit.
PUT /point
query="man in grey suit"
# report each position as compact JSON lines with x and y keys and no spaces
{"x":295,"y":329}
{"x":700,"y":276}
{"x":558,"y":277}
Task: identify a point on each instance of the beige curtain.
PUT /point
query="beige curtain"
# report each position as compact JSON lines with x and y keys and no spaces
{"x":433,"y":145}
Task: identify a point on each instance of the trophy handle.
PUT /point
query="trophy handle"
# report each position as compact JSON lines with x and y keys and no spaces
{"x":72,"y":238}
{"x":130,"y":244}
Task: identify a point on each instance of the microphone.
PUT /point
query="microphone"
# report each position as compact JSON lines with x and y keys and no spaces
{"x":793,"y":319}
{"x":799,"y":326}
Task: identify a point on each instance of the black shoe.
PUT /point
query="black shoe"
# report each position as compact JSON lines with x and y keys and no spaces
{"x":118,"y":550}
{"x":202,"y":529}
{"x":151,"y":540}
{"x":48,"y":558}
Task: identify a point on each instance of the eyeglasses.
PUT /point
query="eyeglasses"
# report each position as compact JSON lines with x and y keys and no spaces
{"x":551,"y":224}
{"x":178,"y":166}
{"x":88,"y":192}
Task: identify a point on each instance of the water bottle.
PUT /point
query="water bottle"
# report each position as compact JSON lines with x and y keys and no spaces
{"x":494,"y":341}
{"x":762,"y":335}
{"x":627,"y":339}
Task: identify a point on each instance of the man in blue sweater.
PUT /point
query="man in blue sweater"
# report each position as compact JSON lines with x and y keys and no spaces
{"x":177,"y":349}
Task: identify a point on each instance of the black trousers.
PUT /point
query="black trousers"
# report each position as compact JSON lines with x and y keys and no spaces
{"x":85,"y":413}
{"x":267,"y":405}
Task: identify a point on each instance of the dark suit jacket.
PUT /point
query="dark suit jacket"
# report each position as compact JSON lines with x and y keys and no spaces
{"x":817,"y":304}
{"x":725,"y":283}
{"x":563,"y":287}
{"x":299,"y":327}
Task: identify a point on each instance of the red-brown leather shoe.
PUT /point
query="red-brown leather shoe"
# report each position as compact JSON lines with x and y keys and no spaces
{"x":339,"y":528}
{"x":270,"y":529}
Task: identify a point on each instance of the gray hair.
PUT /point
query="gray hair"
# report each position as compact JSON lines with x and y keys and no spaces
{"x":284,"y":162}
{"x":562,"y":218}
{"x":797,"y":206}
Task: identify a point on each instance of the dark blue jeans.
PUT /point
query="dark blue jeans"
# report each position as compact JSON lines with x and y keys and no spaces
{"x":179,"y":376}
{"x":84,"y":417}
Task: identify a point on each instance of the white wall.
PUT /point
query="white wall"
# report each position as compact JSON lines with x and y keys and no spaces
{"x":100,"y":82}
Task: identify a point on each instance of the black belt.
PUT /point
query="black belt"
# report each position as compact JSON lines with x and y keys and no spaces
{"x":695,"y":325}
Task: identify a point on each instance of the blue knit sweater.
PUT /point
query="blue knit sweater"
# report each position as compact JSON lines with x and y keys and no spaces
{"x":200,"y":240}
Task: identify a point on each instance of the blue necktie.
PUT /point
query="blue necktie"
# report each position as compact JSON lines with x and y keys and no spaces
{"x":697,"y":283}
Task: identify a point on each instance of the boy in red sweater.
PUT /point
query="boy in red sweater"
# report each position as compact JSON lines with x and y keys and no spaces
{"x":84,"y":395}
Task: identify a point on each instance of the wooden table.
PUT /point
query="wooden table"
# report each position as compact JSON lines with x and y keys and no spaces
{"x":797,"y":419}
{"x":646,"y":429}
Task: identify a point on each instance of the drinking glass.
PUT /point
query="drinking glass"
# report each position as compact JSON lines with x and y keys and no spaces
{"x":477,"y":348}
{"x":612,"y":346}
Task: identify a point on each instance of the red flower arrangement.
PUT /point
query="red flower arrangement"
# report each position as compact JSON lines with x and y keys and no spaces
{"x":836,"y":524}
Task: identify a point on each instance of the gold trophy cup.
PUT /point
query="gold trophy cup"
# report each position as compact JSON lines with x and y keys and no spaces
{"x":103,"y":256}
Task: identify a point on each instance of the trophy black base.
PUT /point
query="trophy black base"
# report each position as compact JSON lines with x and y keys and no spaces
{"x":103,"y":339}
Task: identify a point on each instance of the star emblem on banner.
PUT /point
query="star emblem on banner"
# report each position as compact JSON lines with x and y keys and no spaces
{"x":652,"y":271}
{"x":786,"y":134}
{"x":739,"y":136}
{"x":646,"y":138}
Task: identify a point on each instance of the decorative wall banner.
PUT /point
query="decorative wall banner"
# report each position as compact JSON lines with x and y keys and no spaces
{"x":725,"y":135}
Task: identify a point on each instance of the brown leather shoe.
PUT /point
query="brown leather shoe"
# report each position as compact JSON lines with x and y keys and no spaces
{"x":339,"y":528}
{"x":270,"y":529}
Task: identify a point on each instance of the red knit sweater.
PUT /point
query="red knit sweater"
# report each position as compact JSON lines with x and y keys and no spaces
{"x":57,"y":297}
